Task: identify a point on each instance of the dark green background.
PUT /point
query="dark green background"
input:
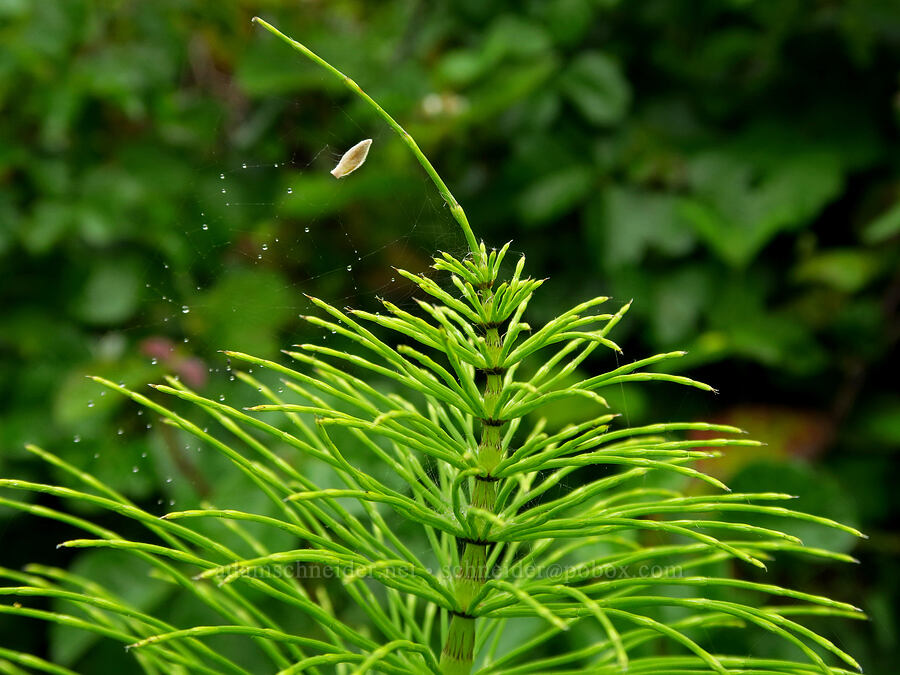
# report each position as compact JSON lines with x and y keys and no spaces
{"x":732,"y":165}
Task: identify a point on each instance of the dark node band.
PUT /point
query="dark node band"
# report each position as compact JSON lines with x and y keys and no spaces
{"x":491,"y":324}
{"x":493,"y":371}
{"x":461,"y":615}
{"x":487,"y":479}
{"x":474,"y":542}
{"x":484,"y":285}
{"x":491,"y":422}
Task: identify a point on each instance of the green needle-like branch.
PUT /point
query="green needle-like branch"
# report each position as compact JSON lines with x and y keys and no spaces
{"x":406,"y":468}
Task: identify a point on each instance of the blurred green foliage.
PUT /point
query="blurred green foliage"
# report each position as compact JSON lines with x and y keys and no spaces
{"x":733,"y":165}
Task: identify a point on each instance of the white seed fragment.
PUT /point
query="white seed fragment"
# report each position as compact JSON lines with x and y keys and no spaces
{"x":352,"y":159}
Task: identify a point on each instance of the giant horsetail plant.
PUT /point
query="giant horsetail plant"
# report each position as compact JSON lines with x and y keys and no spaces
{"x":473,"y":530}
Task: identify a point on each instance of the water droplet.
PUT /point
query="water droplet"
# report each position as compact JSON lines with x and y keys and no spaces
{"x":265,"y":247}
{"x":393,"y":280}
{"x":120,"y":431}
{"x":77,"y":439}
{"x":171,"y":502}
{"x":290,"y":191}
{"x":186,"y":340}
{"x":222,"y":396}
{"x":349,"y":268}
{"x":149,"y":426}
{"x":134,"y":469}
{"x":185,"y":309}
{"x":90,"y":404}
{"x":103,"y":393}
{"x":306,"y":229}
{"x":154,"y":361}
{"x":140,"y":412}
{"x":169,"y":479}
{"x":222,"y":176}
{"x":224,"y":191}
{"x":244,"y":165}
{"x":96,"y":455}
{"x":205,"y":226}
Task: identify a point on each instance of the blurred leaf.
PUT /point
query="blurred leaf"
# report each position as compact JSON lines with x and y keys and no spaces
{"x":49,"y":222}
{"x":846,"y":270}
{"x":111,"y":292}
{"x":554,"y":195}
{"x":883,"y":227}
{"x":677,"y":304}
{"x":506,"y":85}
{"x":775,"y":338}
{"x":598,"y":89}
{"x":567,"y":20}
{"x":267,"y":303}
{"x":256,"y":76}
{"x":738,"y":208}
{"x":512,"y":35}
{"x":880,"y":422}
{"x":626,"y":222}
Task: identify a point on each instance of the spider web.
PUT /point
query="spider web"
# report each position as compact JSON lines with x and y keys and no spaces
{"x":293,"y":221}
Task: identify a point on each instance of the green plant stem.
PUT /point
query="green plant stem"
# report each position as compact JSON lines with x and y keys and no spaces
{"x":455,"y":209}
{"x":457,"y":655}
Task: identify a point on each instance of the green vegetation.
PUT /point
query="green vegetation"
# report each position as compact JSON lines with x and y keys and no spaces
{"x":731,"y":166}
